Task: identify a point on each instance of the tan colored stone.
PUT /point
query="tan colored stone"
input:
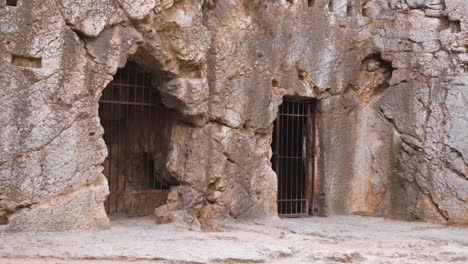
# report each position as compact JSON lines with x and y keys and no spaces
{"x":166,"y":213}
{"x":390,"y":84}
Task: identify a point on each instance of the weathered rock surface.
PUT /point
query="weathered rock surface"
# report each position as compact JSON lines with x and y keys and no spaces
{"x":390,"y":77}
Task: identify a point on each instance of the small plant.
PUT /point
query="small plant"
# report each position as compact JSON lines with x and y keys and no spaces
{"x":415,"y":214}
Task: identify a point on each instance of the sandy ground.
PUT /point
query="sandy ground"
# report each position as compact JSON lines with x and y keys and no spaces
{"x":340,"y":239}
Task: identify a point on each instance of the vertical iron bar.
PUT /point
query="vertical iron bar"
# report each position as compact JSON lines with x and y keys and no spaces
{"x":281,"y":157}
{"x":277,"y":158}
{"x":111,"y":157}
{"x":296,"y":167}
{"x":119,"y":172}
{"x":151,"y":111}
{"x":299,"y":154}
{"x":307,"y":173}
{"x":133,"y":136}
{"x":159,"y":118}
{"x":147,"y":151}
{"x":291,"y":157}
{"x":311,"y":151}
{"x":303,"y":156}
{"x":127,"y":125}
{"x":109,"y":168}
{"x":284,"y":156}
{"x":142,"y":125}
{"x":280,"y":150}
{"x":290,"y":153}
{"x":302,"y":159}
{"x":295,"y":141}
{"x":281,"y":153}
{"x":287,"y":160}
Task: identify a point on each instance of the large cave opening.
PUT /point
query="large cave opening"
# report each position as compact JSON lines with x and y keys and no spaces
{"x":293,"y":157}
{"x":137,"y":130}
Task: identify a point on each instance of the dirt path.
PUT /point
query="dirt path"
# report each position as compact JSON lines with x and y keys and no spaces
{"x":343,"y":239}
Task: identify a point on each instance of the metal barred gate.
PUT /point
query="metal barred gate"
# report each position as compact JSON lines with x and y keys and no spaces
{"x":293,"y":162}
{"x":130,"y":112}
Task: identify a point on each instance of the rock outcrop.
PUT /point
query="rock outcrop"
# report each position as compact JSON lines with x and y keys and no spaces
{"x":390,"y":78}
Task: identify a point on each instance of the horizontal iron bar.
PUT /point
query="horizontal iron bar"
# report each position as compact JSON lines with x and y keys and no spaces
{"x":141,"y":191}
{"x":289,"y":157}
{"x":292,"y":215}
{"x":304,"y":115}
{"x":127,"y":103}
{"x":114,"y":84}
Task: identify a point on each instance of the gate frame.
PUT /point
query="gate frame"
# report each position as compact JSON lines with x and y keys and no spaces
{"x":141,"y":80}
{"x":310,"y":163}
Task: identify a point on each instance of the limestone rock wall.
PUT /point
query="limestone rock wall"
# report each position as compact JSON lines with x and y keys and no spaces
{"x":390,"y":77}
{"x":425,"y":102}
{"x":406,"y":114}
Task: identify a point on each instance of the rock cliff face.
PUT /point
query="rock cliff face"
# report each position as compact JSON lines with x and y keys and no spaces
{"x":390,"y":78}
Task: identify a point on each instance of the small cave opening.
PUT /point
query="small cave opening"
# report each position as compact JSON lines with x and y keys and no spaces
{"x":375,"y":61}
{"x":4,"y":218}
{"x":137,"y":130}
{"x":455,"y":26}
{"x":331,"y":6}
{"x":293,"y":146}
{"x":349,"y":9}
{"x":12,"y":3}
{"x":301,"y":75}
{"x":26,"y":61}
{"x":364,"y":12}
{"x":274,"y":83}
{"x":376,"y":64}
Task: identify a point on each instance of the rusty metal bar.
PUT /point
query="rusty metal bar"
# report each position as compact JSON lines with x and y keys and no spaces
{"x":118,"y":149}
{"x":313,"y":192}
{"x":303,"y":135}
{"x":293,"y":161}
{"x":111,"y":181}
{"x":276,"y":146}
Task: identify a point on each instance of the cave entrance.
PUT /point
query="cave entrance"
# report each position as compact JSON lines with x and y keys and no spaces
{"x":136,"y":131}
{"x":293,"y":156}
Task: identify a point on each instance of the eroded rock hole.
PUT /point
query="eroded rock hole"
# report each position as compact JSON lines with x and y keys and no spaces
{"x":364,"y":12}
{"x":209,"y":4}
{"x":137,"y":129}
{"x":330,"y":5}
{"x":455,"y":26}
{"x":292,"y":160}
{"x":3,"y":220}
{"x":26,"y":61}
{"x":349,"y":9}
{"x":11,"y":2}
{"x":302,"y":75}
{"x":374,"y":77}
{"x":310,"y":3}
{"x":375,"y":63}
{"x":274,"y":83}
